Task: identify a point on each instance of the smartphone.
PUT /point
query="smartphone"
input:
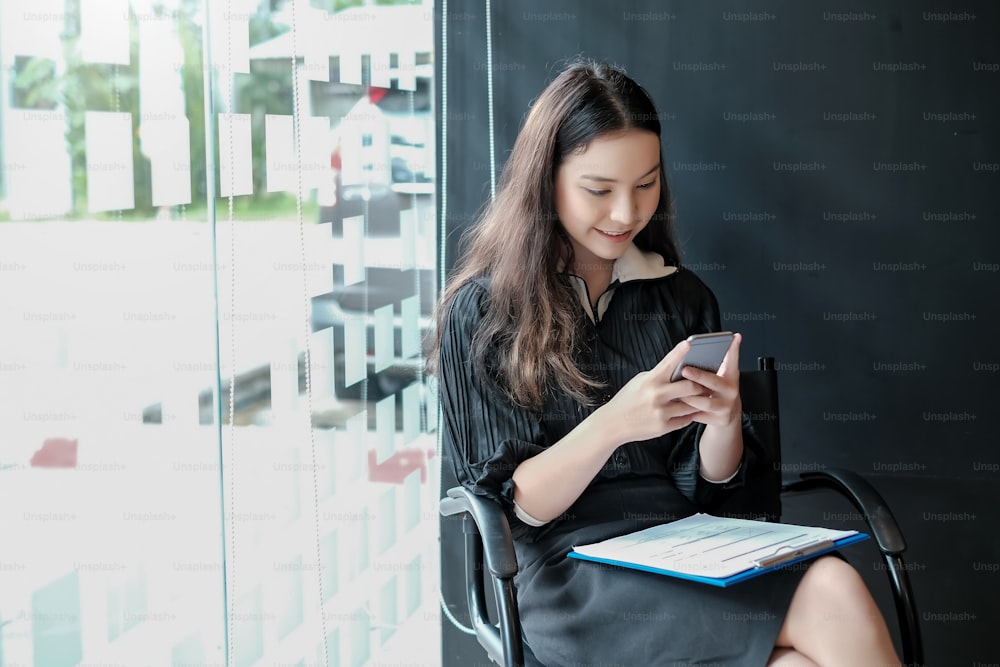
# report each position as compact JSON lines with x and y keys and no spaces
{"x":707,"y":352}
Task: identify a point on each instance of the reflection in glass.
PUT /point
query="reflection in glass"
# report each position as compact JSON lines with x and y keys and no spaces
{"x":216,"y":420}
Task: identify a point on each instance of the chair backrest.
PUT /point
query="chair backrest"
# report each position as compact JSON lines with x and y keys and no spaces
{"x":760,"y":496}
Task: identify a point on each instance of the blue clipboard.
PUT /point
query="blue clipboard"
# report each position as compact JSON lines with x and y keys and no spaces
{"x":776,"y":561}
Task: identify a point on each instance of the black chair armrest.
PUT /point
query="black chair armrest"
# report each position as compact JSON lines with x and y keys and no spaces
{"x":490,"y":520}
{"x":865,"y":499}
{"x":488,"y":540}
{"x":889,"y":538}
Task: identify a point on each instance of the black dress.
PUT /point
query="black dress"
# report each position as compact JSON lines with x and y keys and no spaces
{"x":575,"y":612}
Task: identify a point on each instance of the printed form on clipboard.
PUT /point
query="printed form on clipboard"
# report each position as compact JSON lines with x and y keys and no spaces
{"x":716,"y":550}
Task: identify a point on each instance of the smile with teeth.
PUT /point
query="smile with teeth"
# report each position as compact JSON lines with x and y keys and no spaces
{"x":613,"y":234}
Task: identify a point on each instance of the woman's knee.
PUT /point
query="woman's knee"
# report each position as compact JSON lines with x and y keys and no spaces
{"x":838,"y":589}
{"x":787,"y":657}
{"x":833,"y":576}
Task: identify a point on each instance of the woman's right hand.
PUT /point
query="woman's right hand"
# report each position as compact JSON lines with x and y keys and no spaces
{"x":648,"y":406}
{"x":547,"y":484}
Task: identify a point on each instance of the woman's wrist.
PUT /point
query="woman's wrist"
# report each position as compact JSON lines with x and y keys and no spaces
{"x":602,"y":429}
{"x":720,"y":450}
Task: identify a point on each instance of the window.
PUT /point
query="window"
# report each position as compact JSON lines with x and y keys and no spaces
{"x":216,"y":417}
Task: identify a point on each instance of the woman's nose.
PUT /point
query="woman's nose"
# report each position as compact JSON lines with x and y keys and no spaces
{"x":624,"y":211}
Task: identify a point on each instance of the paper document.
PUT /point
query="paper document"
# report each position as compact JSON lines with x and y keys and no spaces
{"x":716,"y":550}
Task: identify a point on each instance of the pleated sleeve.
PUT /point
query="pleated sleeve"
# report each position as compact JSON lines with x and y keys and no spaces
{"x":701,"y":315}
{"x":484,"y":435}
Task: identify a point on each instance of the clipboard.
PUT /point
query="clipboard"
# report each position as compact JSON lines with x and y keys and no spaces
{"x":718,"y":551}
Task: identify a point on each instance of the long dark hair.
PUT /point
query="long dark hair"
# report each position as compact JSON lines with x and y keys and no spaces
{"x":531,"y":317}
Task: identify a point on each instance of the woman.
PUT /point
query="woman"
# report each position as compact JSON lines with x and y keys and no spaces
{"x":557,"y":338}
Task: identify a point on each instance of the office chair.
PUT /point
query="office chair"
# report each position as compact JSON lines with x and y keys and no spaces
{"x":488,"y":540}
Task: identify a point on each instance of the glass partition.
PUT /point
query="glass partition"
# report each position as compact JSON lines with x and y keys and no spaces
{"x":217,"y":262}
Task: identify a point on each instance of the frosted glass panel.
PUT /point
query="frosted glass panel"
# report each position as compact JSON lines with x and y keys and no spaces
{"x":167,"y":143}
{"x":354,"y":250}
{"x":407,"y":70}
{"x":408,"y":239}
{"x":411,"y":501}
{"x":164,"y":276}
{"x":104,"y":31}
{"x":314,"y":26}
{"x":235,"y":155}
{"x":350,"y":67}
{"x":414,"y":585}
{"x":388,"y":609}
{"x":387,"y":520}
{"x":352,"y":456}
{"x":231,"y":35}
{"x":39,"y":181}
{"x":383,"y":338}
{"x":281,"y":166}
{"x":32,"y":27}
{"x":411,"y":413}
{"x":410,"y":307}
{"x":322,"y":358}
{"x":285,"y":377}
{"x":361,"y":637}
{"x":315,"y":167}
{"x":381,"y":69}
{"x":56,"y":629}
{"x":355,"y":352}
{"x":330,"y":564}
{"x":385,"y":417}
{"x":109,"y":161}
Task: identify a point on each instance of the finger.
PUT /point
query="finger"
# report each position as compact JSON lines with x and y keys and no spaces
{"x":675,"y":391}
{"x":726,"y":388}
{"x":732,"y":358}
{"x":665,"y":368}
{"x":700,"y":376}
{"x":678,"y":412}
{"x":674,"y":410}
{"x":705,"y":418}
{"x":680,"y":422}
{"x":704,"y":403}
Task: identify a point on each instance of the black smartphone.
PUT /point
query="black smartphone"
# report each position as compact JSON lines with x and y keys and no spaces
{"x":707,"y":352}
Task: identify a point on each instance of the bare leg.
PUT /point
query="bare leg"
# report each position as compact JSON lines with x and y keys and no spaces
{"x":834,"y":621}
{"x":786,"y":657}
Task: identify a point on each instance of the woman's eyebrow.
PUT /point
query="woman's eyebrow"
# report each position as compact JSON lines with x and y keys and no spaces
{"x":605,"y":179}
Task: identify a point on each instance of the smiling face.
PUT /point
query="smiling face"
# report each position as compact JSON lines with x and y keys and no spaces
{"x":606,"y":194}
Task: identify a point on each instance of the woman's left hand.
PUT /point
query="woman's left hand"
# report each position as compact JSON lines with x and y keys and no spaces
{"x":719,"y":404}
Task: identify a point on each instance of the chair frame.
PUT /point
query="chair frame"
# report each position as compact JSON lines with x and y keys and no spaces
{"x":489,"y":543}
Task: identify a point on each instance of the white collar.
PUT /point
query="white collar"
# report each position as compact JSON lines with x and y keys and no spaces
{"x":635,"y":264}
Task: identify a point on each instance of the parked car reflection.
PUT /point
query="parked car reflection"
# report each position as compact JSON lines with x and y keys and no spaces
{"x":382,"y":153}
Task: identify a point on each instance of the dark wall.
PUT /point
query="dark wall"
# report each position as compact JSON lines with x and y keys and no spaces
{"x":835,"y":173}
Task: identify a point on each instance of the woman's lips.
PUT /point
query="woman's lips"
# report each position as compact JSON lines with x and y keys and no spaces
{"x":615,"y":238}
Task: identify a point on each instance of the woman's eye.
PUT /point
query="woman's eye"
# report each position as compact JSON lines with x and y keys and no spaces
{"x":597,"y":193}
{"x":646,"y":186}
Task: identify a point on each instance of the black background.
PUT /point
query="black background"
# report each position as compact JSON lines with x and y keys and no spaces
{"x":835,"y":168}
